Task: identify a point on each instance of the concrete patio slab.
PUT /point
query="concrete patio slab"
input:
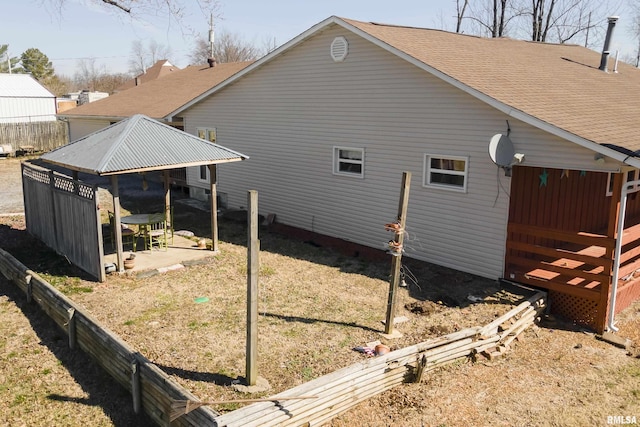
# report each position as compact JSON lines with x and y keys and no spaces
{"x":181,"y":252}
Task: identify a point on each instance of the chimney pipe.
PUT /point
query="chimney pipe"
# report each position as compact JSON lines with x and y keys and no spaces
{"x":137,"y":81}
{"x":605,"y":50}
{"x":211,"y":62}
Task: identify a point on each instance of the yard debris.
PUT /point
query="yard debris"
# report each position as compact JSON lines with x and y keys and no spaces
{"x":368,"y":351}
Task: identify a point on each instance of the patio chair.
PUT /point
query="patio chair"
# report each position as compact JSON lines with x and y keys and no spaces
{"x":156,"y":233}
{"x":128,"y":234}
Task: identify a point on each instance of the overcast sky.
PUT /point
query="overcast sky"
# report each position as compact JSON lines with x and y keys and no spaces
{"x":83,"y":30}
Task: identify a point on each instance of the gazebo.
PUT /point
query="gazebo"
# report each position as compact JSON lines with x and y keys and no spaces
{"x":136,"y":145}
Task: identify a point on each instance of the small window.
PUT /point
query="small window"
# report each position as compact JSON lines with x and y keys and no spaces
{"x":632,"y":175}
{"x":348,"y":161}
{"x":447,"y":172}
{"x":207,"y":133}
{"x":204,"y":175}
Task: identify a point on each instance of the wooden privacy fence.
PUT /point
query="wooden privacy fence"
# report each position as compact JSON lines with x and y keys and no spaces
{"x":152,"y":390}
{"x":156,"y":393}
{"x":64,"y":214}
{"x":35,"y":136}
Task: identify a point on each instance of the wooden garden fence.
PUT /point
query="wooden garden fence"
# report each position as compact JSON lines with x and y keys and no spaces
{"x":34,"y":136}
{"x":155,"y":392}
{"x":152,"y":390}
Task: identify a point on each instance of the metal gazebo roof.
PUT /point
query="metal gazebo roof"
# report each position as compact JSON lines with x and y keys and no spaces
{"x":138,"y":144}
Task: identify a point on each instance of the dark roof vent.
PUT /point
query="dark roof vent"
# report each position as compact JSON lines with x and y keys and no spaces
{"x":607,"y":41}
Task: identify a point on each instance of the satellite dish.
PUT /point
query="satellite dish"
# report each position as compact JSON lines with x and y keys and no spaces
{"x":501,"y":150}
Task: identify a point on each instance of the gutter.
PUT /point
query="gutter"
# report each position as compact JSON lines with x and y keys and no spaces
{"x":616,"y":255}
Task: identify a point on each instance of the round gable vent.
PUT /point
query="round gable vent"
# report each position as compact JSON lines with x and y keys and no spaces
{"x":339,"y":49}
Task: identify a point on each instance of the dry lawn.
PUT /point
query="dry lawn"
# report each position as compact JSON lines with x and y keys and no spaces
{"x":315,"y":305}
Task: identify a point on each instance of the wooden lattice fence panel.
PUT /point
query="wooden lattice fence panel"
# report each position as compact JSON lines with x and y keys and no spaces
{"x":581,"y":311}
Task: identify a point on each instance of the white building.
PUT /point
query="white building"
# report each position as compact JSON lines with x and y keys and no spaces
{"x":23,"y":99}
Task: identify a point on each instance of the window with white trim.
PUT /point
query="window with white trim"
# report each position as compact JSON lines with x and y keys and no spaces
{"x":348,"y":161}
{"x":210,"y":135}
{"x":632,"y":175}
{"x":447,"y":172}
{"x":207,"y":133}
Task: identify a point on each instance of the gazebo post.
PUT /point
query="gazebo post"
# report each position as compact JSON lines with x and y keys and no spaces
{"x":214,"y":207}
{"x":116,"y":219}
{"x":167,"y":198}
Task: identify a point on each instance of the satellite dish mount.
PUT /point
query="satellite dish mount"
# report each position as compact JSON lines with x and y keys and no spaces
{"x":502,"y":152}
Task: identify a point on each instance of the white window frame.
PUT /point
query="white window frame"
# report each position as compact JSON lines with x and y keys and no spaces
{"x":337,"y":161}
{"x":208,"y":134}
{"x":202,"y":168}
{"x":428,"y":170}
{"x":632,"y":175}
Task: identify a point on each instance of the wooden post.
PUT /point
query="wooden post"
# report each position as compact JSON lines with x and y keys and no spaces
{"x":396,"y":259}
{"x":71,"y":324}
{"x":214,"y":207}
{"x":167,"y":198}
{"x":253,"y":265}
{"x":29,"y":288}
{"x":135,"y":386}
{"x":116,"y":221}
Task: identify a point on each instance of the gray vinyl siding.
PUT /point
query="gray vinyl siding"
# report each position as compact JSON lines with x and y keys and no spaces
{"x":290,"y":113}
{"x":83,"y":127}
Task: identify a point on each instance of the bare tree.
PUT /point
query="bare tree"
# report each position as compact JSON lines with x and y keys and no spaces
{"x":460,"y":10}
{"x":172,"y":11}
{"x":487,"y":17}
{"x":143,"y":57}
{"x":96,"y":78}
{"x":635,"y":31}
{"x":558,"y":21}
{"x":227,"y":47}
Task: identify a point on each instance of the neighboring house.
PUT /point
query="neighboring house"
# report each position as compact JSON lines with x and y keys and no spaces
{"x":23,"y":100}
{"x":156,"y":99}
{"x":160,"y":69}
{"x":332,"y":118}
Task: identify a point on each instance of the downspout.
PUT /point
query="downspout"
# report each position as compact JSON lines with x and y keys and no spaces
{"x":616,"y":255}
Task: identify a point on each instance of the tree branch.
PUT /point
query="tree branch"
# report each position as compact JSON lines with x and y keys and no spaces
{"x":118,"y":5}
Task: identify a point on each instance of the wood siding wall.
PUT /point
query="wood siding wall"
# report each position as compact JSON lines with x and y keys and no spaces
{"x":64,"y":214}
{"x":42,"y":136}
{"x":290,"y":113}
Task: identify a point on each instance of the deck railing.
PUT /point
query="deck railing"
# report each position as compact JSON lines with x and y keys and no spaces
{"x":575,"y":263}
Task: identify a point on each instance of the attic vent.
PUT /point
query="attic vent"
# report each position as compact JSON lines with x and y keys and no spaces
{"x":339,"y":49}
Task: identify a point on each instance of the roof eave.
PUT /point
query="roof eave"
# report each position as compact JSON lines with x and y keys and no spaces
{"x":167,"y":167}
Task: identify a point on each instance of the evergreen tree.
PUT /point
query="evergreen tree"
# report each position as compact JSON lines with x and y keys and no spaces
{"x":37,"y":64}
{"x":5,"y":59}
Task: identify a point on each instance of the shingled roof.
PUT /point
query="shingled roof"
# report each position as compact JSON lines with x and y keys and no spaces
{"x":557,"y":88}
{"x":559,"y":84}
{"x":161,"y":68}
{"x":158,"y":98}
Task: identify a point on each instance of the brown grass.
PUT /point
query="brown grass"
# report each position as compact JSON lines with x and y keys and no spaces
{"x":316,"y":305}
